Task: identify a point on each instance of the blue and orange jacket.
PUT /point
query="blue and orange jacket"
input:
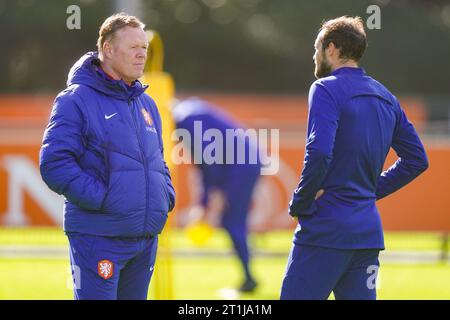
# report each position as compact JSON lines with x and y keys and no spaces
{"x":103,"y":151}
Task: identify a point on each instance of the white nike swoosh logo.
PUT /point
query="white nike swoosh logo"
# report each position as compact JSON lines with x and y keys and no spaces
{"x":110,"y":116}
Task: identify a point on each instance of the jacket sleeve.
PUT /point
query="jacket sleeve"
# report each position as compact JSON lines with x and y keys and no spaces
{"x":323,"y":120}
{"x":61,"y":148}
{"x":412,"y":159}
{"x":168,"y":177}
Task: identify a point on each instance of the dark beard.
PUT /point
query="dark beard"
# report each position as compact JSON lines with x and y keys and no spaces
{"x":323,"y":70}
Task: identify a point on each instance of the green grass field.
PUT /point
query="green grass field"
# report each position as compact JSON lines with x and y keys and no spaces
{"x":204,"y":276}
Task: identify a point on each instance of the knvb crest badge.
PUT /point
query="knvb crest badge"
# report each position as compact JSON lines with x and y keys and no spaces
{"x":105,"y":269}
{"x":147,"y":117}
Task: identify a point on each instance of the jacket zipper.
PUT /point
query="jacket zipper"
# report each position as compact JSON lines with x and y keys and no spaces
{"x":143,"y":162}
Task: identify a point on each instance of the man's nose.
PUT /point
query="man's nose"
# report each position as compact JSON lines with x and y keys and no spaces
{"x":142,"y":53}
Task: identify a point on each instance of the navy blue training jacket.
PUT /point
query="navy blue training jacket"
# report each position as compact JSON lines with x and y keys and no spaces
{"x":103,"y":151}
{"x":353,"y":121}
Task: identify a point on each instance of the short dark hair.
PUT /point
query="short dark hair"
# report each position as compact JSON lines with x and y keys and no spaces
{"x":114,"y":23}
{"x":347,"y":33}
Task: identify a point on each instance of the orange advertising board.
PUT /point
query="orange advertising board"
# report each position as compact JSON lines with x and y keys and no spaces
{"x":25,"y":199}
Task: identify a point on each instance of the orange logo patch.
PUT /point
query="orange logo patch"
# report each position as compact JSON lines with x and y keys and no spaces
{"x":147,"y":117}
{"x":105,"y":269}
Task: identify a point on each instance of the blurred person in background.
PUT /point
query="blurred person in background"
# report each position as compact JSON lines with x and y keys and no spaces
{"x":103,"y":151}
{"x":353,"y":122}
{"x":227,"y":187}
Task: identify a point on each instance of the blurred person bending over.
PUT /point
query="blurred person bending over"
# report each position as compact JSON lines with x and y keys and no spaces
{"x":227,"y":187}
{"x":353,"y":121}
{"x":103,"y":151}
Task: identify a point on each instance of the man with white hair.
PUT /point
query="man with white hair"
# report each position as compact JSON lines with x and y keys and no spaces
{"x":103,"y":151}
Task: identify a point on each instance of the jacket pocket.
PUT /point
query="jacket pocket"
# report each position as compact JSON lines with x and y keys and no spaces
{"x":158,"y":194}
{"x":126,"y":193}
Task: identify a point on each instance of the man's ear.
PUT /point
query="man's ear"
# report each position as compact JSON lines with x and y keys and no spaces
{"x":332,"y":50}
{"x":107,"y":49}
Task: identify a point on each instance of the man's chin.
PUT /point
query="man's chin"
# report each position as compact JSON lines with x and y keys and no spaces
{"x":322,"y":70}
{"x":321,"y":74}
{"x":318,"y":76}
{"x":137,"y":75}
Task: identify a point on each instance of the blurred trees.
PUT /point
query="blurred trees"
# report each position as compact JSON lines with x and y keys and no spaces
{"x":231,"y":45}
